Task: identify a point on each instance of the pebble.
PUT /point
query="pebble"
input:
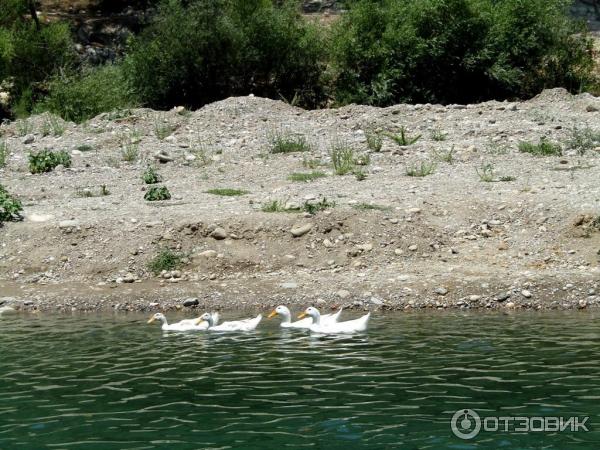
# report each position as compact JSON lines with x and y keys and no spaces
{"x":218,"y":233}
{"x":208,"y":254}
{"x":289,"y":285}
{"x":301,"y":230}
{"x":441,"y":291}
{"x":525,"y":293}
{"x":189,"y":302}
{"x":413,"y":248}
{"x":343,"y":293}
{"x":502,"y":297}
{"x":28,"y":139}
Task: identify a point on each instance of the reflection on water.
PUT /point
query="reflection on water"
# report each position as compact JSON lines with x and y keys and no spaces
{"x":104,"y":382}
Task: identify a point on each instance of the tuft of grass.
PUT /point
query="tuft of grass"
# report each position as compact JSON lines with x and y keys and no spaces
{"x":88,"y":193}
{"x":227,"y":192}
{"x":157,"y":193}
{"x":402,"y":138}
{"x":24,"y":127}
{"x":151,"y":176}
{"x":10,"y":207}
{"x":438,"y":135}
{"x":273,"y":206}
{"x":163,"y":129}
{"x":283,"y":142}
{"x":306,"y":176}
{"x":421,"y":169}
{"x":445,"y":156}
{"x":360,"y":174}
{"x":506,"y":178}
{"x":342,"y":158}
{"x":374,"y":141}
{"x":165,"y":260}
{"x":486,"y":173}
{"x":311,"y":163}
{"x":53,"y":125}
{"x":543,"y":148}
{"x":370,"y":207}
{"x":583,"y":140}
{"x":46,"y":160}
{"x":3,"y":153}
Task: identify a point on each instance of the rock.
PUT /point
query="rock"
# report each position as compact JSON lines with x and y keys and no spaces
{"x":7,"y":310}
{"x":365,"y":247}
{"x":289,"y":285}
{"x":502,"y":297}
{"x":129,"y":278}
{"x":376,"y":301}
{"x":591,"y":108}
{"x":175,"y":274}
{"x":474,"y":298}
{"x":190,"y":302}
{"x":441,"y":291}
{"x":398,"y":251}
{"x":163,"y":157}
{"x":525,"y":293}
{"x":509,"y":305}
{"x":503,"y":246}
{"x":301,"y":230}
{"x":582,"y":303}
{"x":28,"y":139}
{"x":413,"y":248}
{"x":153,"y":304}
{"x":171,"y":139}
{"x":218,"y":233}
{"x":67,"y":224}
{"x":208,"y":254}
{"x":343,"y":293}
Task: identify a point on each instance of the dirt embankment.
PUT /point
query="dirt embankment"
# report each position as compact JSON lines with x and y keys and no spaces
{"x":448,"y":239}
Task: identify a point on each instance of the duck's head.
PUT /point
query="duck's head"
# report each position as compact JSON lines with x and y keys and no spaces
{"x":158,"y":316}
{"x":206,"y":317}
{"x":311,"y":312}
{"x":281,"y":310}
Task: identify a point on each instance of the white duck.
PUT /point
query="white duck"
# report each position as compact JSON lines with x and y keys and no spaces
{"x":235,"y":325}
{"x":349,"y":326}
{"x":286,"y":318}
{"x":184,"y":325}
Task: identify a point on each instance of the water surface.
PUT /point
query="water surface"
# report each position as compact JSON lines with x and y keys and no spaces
{"x":113,"y":382}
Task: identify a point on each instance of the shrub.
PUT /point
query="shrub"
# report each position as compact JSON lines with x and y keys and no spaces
{"x":543,"y":148}
{"x":583,"y":140}
{"x":456,"y":51}
{"x":374,"y":141}
{"x":402,"y":138}
{"x":3,"y":153}
{"x":151,"y":176}
{"x":222,"y":48}
{"x":422,"y":169}
{"x":313,"y":208}
{"x":46,"y":160}
{"x":156,"y":193}
{"x":82,"y":95}
{"x":165,"y":260}
{"x":10,"y":207}
{"x":342,"y":158}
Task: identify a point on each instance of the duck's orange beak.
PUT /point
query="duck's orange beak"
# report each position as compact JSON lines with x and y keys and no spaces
{"x":273,"y":314}
{"x":151,"y":319}
{"x":302,"y":315}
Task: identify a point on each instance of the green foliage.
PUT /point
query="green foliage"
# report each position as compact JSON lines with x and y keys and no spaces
{"x":313,"y":208}
{"x":46,"y":160}
{"x":53,"y":125}
{"x":88,"y":92}
{"x":306,"y":176}
{"x":370,"y":206}
{"x":151,"y":176}
{"x":157,"y":193}
{"x":165,"y":260}
{"x":283,"y":142}
{"x":374,"y":141}
{"x":543,"y":148}
{"x":162,"y":129}
{"x":486,"y":173}
{"x":438,"y":135}
{"x":273,"y":206}
{"x":200,"y":51}
{"x":30,"y":55}
{"x":583,"y":140}
{"x":402,"y":138}
{"x":421,"y":169}
{"x":3,"y":153}
{"x":227,"y":192}
{"x":24,"y":127}
{"x":456,"y":51}
{"x":10,"y":207}
{"x":342,"y":158}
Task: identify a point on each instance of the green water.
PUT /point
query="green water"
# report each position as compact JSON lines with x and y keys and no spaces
{"x":113,"y":382}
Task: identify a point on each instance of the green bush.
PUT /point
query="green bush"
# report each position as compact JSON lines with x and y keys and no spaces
{"x":157,"y":193}
{"x":200,"y":51}
{"x":30,"y":54}
{"x":456,"y":51}
{"x":165,"y":260}
{"x":85,"y":94}
{"x":46,"y":160}
{"x":151,"y":176}
{"x":10,"y":207}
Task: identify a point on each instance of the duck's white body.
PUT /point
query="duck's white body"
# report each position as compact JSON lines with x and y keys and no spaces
{"x":234,"y":325}
{"x":286,"y":318}
{"x":184,"y":325}
{"x":349,"y":326}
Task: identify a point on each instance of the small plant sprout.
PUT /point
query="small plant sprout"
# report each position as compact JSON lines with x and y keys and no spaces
{"x":421,"y":169}
{"x":273,"y":206}
{"x":543,"y":148}
{"x":130,"y":146}
{"x":3,"y":153}
{"x":313,"y":208}
{"x":162,"y":128}
{"x":285,"y":142}
{"x":402,"y":138}
{"x":24,"y":127}
{"x":53,"y":125}
{"x":10,"y":207}
{"x":374,"y":141}
{"x":438,"y":135}
{"x":360,"y":174}
{"x":227,"y":192}
{"x":342,"y":158}
{"x":151,"y":176}
{"x":445,"y":156}
{"x":486,"y":173}
{"x":311,"y":163}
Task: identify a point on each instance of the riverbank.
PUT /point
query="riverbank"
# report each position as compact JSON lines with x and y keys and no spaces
{"x":490,"y":227}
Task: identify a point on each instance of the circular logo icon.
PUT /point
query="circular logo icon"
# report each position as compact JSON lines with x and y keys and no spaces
{"x":466,"y":424}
